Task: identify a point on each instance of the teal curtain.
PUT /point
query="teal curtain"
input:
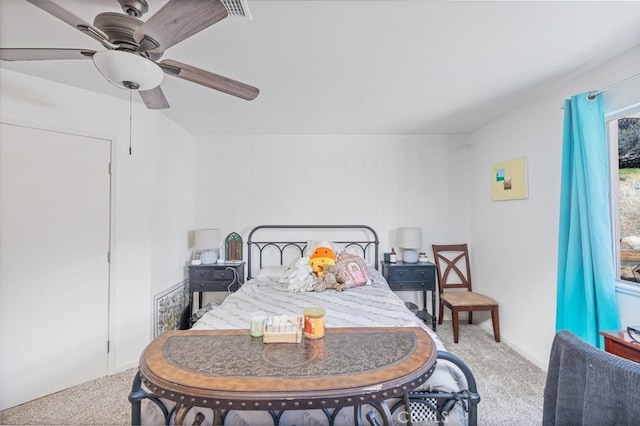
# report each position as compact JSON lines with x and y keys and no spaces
{"x":586,"y":302}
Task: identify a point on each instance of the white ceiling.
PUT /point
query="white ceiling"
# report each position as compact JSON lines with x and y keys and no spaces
{"x":355,"y":67}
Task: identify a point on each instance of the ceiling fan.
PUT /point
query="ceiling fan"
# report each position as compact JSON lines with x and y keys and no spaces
{"x":134,"y":46}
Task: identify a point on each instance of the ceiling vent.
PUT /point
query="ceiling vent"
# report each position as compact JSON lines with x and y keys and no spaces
{"x":238,"y":9}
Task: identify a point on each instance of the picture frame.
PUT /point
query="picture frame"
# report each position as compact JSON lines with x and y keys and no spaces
{"x":233,"y":247}
{"x":509,"y":180}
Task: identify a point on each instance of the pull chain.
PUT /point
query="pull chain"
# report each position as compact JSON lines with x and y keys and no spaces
{"x":130,"y":107}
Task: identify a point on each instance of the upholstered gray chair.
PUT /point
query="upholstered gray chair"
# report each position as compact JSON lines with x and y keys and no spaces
{"x":587,"y":386}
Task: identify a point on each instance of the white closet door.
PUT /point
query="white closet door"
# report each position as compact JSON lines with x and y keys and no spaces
{"x":54,"y":273}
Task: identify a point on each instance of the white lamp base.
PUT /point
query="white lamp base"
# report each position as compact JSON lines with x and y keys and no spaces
{"x":209,"y":257}
{"x":410,"y":256}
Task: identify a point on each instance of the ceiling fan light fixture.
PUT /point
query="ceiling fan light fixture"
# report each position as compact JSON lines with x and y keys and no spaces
{"x":128,"y":70}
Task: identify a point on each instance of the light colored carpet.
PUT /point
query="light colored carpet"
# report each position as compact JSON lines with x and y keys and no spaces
{"x":98,"y":402}
{"x":510,"y":388}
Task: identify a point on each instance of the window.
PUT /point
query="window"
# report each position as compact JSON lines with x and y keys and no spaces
{"x":624,"y":138}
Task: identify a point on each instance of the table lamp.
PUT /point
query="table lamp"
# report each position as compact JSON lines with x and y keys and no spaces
{"x":410,"y":240}
{"x":206,"y":245}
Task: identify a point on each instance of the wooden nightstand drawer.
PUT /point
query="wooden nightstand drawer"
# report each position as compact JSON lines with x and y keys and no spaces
{"x":200,"y":274}
{"x":410,"y":286}
{"x":400,"y":274}
{"x":212,"y":286}
{"x":225,"y":274}
{"x":203,"y":274}
{"x":424,"y":275}
{"x":411,"y":278}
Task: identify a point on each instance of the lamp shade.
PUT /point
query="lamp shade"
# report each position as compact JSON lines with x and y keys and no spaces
{"x":206,"y":243}
{"x":410,"y":238}
{"x":207,"y":239}
{"x":128,"y":70}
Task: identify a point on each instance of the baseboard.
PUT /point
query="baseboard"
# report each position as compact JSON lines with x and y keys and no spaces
{"x":124,"y":367}
{"x":487,"y":326}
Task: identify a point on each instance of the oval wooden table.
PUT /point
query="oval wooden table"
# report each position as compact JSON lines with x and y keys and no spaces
{"x":230,"y":370}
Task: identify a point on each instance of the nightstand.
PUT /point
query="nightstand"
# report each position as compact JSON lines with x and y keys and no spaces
{"x":227,"y":276}
{"x":414,"y":277}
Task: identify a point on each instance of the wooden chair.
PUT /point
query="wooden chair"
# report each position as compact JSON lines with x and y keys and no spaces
{"x":454,"y":272}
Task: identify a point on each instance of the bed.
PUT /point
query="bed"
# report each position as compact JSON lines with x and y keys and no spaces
{"x":273,"y":254}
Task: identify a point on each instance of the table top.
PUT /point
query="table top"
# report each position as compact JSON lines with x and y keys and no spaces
{"x":621,"y":337}
{"x":230,"y":369}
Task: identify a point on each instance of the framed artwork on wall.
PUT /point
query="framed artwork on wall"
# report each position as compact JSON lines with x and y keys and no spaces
{"x":509,"y":180}
{"x":233,"y":246}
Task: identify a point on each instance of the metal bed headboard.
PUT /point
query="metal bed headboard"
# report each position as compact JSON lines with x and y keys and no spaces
{"x":257,"y":245}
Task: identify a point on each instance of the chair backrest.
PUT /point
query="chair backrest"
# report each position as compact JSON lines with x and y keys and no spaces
{"x":452,"y":263}
{"x":586,"y":385}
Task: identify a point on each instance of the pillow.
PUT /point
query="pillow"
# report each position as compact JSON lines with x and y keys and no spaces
{"x":352,"y":269}
{"x":312,"y":245}
{"x":275,"y":272}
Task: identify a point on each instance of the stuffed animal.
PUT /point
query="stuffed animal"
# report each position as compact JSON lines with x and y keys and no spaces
{"x":329,"y":279}
{"x":300,"y":277}
{"x":320,"y":258}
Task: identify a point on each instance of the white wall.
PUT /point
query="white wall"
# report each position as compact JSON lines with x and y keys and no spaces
{"x":152,"y":195}
{"x":514,"y":243}
{"x":382,"y":181}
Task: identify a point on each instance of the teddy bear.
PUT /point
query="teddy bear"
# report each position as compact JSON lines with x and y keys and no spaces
{"x":329,"y":279}
{"x":321,"y":258}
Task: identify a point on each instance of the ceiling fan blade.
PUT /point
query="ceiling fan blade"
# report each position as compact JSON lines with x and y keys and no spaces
{"x":70,"y":18}
{"x":178,"y":20}
{"x":154,"y":98}
{"x":209,"y":79}
{"x":10,"y":54}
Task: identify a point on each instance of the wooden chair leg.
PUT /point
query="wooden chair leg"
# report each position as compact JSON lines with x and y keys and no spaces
{"x":441,"y":313}
{"x":454,"y":314}
{"x":496,"y":323}
{"x":470,"y":317}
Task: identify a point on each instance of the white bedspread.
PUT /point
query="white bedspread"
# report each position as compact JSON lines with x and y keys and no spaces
{"x":372,"y":305}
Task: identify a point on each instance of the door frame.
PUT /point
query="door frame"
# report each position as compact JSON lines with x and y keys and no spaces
{"x":111,"y":368}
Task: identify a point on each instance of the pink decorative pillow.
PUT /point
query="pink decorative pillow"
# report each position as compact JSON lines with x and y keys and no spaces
{"x":352,"y":269}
